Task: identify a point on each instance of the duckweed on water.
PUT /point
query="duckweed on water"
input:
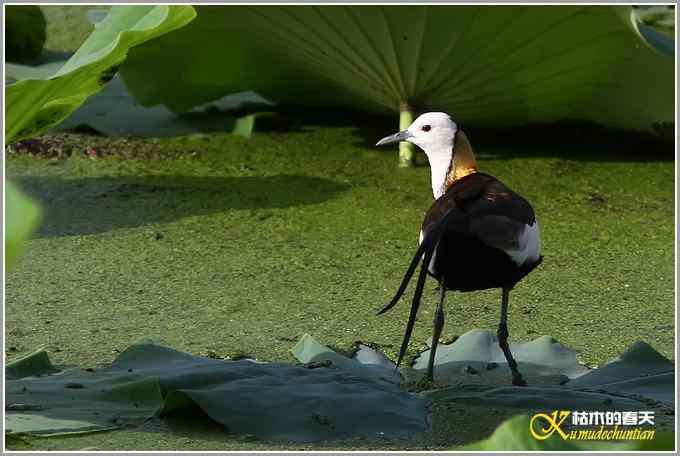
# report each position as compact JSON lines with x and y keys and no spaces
{"x":217,"y":244}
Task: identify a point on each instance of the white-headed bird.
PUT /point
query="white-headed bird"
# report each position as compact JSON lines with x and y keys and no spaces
{"x":478,"y":234}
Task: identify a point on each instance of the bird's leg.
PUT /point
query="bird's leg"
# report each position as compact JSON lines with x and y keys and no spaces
{"x":438,"y":325}
{"x":503,"y":340}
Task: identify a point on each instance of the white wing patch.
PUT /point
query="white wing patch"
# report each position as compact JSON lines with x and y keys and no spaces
{"x":529,"y":245}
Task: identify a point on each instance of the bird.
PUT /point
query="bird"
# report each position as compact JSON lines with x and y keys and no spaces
{"x":478,"y":234}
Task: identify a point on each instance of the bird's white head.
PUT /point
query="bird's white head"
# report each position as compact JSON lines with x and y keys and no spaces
{"x":435,"y":134}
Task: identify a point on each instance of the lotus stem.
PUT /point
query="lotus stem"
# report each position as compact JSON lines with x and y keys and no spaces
{"x":407,"y":151}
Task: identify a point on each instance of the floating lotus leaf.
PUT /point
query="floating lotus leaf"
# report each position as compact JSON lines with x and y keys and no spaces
{"x":284,"y":402}
{"x":487,"y":65}
{"x":543,"y":359}
{"x":267,"y":400}
{"x":366,"y":362}
{"x":34,"y":364}
{"x":477,"y":370}
{"x":478,"y":374}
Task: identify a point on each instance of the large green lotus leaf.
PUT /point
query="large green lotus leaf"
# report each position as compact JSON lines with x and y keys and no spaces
{"x":35,"y":105}
{"x":22,"y":216}
{"x":267,"y":400}
{"x":24,"y":32}
{"x":114,"y":112}
{"x":477,"y":371}
{"x":278,"y":401}
{"x":514,"y":435}
{"x":198,"y":68}
{"x":40,"y":401}
{"x":640,"y":371}
{"x":366,"y":362}
{"x":43,"y":67}
{"x":491,"y":65}
{"x":34,"y":364}
{"x":543,"y":359}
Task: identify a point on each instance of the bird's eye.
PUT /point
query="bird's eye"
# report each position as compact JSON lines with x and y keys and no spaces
{"x":426,"y":128}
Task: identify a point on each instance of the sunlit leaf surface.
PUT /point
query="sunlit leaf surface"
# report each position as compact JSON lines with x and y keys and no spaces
{"x":500,"y":65}
{"x":22,"y":216}
{"x":35,"y":105}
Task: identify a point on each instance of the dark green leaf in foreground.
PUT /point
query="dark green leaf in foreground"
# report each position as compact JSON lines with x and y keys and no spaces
{"x":34,"y":364}
{"x":475,"y":368}
{"x":267,"y":400}
{"x":33,"y":106}
{"x":282,"y":402}
{"x":24,"y":32}
{"x":22,"y":216}
{"x":366,"y":363}
{"x":75,"y":400}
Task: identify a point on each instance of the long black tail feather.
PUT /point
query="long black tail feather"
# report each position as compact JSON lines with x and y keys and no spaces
{"x":415,"y":304}
{"x":407,"y":277}
{"x":428,"y":244}
{"x":426,"y":249}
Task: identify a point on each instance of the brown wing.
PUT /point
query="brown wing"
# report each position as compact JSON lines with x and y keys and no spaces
{"x":487,"y":209}
{"x":497,"y":231}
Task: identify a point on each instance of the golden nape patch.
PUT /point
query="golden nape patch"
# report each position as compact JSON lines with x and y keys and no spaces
{"x":463,"y":161}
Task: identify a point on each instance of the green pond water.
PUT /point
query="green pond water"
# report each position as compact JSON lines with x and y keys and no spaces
{"x":221,"y":246}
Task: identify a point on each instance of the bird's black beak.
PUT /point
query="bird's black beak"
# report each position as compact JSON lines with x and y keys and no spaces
{"x":395,"y":138}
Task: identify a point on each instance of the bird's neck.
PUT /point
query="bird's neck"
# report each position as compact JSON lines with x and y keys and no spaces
{"x":452,"y":165}
{"x":463,"y":163}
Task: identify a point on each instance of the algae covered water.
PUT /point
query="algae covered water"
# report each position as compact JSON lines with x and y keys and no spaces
{"x":225,"y":247}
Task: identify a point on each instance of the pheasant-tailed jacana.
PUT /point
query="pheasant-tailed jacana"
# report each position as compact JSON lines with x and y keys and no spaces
{"x":478,"y":234}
